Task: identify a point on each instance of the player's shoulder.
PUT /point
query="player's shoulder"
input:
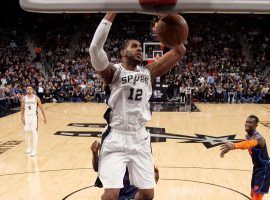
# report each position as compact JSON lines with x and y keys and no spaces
{"x":143,"y":68}
{"x":256,"y":136}
{"x":119,"y":68}
{"x":37,"y":98}
{"x":118,"y":65}
{"x":25,"y":97}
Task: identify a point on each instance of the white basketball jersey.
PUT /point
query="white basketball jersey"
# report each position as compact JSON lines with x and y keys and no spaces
{"x":129,"y":99}
{"x":30,"y":106}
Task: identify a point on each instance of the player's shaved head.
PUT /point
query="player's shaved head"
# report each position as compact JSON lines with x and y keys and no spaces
{"x":254,"y":117}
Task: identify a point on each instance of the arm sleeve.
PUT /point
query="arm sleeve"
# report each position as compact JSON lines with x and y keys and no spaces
{"x":98,"y":56}
{"x":246,"y":144}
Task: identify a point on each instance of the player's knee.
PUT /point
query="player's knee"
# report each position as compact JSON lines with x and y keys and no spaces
{"x":146,"y":194}
{"x":110,"y":195}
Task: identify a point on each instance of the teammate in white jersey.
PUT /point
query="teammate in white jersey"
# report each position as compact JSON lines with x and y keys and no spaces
{"x":29,"y":116}
{"x":128,"y":143}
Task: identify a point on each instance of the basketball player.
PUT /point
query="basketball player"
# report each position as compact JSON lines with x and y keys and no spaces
{"x":29,"y":117}
{"x":128,"y":192}
{"x":256,"y":146}
{"x":128,"y":143}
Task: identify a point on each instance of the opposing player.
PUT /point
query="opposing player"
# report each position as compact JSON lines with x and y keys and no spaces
{"x":29,"y":116}
{"x":128,"y":143}
{"x":256,"y":146}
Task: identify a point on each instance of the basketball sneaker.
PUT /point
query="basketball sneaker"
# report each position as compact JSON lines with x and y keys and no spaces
{"x":28,"y":151}
{"x":33,"y":153}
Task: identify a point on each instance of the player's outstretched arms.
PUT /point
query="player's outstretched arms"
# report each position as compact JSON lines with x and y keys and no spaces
{"x":226,"y":147}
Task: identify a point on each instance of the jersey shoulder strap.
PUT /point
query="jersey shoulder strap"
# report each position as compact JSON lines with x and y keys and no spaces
{"x":144,"y":69}
{"x":117,"y":73}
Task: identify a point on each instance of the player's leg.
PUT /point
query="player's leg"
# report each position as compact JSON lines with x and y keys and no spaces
{"x":112,"y":166}
{"x":257,"y":196}
{"x":260,"y":183}
{"x":34,"y":128}
{"x":27,"y":129}
{"x":141,"y":170}
{"x":110,"y":194}
{"x":28,"y":142}
{"x":146,"y":194}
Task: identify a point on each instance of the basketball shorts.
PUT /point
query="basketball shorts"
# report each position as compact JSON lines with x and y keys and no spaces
{"x":121,"y":150}
{"x":261,"y":179}
{"x":31,"y":123}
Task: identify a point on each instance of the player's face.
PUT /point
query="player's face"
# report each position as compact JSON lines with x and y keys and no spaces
{"x":134,"y":51}
{"x":250,"y":124}
{"x":29,"y":90}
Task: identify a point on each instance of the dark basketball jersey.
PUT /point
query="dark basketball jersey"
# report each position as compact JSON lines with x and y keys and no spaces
{"x":259,"y":155}
{"x":260,"y":181}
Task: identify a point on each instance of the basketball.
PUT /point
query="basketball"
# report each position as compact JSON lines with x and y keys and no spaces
{"x":172,"y":30}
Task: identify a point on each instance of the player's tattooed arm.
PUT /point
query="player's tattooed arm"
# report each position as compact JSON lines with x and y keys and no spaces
{"x":261,"y":142}
{"x":166,"y":62}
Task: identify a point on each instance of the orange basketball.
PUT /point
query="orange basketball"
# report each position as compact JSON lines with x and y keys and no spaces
{"x":172,"y":30}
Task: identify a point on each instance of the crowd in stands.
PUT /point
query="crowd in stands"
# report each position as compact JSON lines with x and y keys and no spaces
{"x":16,"y":68}
{"x":214,"y":69}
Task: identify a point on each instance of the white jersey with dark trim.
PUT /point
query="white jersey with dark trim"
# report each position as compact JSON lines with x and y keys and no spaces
{"x":30,"y":106}
{"x":129,"y":99}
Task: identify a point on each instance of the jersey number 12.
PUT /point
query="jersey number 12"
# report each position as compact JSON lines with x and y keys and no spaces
{"x":137,"y":96}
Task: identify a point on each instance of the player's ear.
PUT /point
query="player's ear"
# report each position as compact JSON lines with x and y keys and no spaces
{"x":123,"y":52}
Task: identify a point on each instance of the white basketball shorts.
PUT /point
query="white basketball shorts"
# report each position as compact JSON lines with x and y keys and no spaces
{"x":126,"y":150}
{"x":31,"y":123}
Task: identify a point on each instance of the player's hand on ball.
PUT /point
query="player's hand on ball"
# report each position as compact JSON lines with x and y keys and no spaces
{"x":181,"y":49}
{"x":95,"y":147}
{"x":225,"y":148}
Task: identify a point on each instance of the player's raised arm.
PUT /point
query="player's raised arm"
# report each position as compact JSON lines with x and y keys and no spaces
{"x":167,"y":61}
{"x":98,"y":56}
{"x":172,"y":31}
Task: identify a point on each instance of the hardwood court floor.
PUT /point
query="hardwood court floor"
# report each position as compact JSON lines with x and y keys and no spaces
{"x":192,"y":171}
